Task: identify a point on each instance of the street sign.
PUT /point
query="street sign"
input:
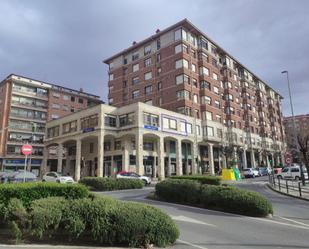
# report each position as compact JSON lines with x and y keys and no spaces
{"x":288,"y":158}
{"x":26,"y":149}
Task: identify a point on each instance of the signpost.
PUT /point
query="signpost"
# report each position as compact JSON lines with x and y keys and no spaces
{"x":26,"y":150}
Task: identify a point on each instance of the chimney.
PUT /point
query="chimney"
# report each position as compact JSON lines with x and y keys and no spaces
{"x":81,"y":90}
{"x":134,"y":43}
{"x":157,"y":31}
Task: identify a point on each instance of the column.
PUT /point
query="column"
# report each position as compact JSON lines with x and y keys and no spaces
{"x":211,"y":159}
{"x":267,"y":161}
{"x":244,"y":159}
{"x":100,"y":148}
{"x":252,"y":159}
{"x":194,"y":156}
{"x":161,"y":158}
{"x":260,"y":158}
{"x":126,"y":155}
{"x":178,"y":158}
{"x":78,"y":159}
{"x":59,"y":157}
{"x":139,"y":154}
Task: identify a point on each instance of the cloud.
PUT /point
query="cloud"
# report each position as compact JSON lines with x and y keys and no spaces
{"x":64,"y":42}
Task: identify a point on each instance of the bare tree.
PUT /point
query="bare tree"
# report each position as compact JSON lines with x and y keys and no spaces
{"x":303,"y":143}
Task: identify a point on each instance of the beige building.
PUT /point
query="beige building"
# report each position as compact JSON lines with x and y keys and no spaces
{"x":150,"y":141}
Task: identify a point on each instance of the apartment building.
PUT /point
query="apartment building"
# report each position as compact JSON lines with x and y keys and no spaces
{"x":301,"y":128}
{"x":181,"y":69}
{"x":25,"y":107}
{"x":149,"y":140}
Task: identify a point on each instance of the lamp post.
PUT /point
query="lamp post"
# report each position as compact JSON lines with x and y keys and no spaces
{"x":294,"y":126}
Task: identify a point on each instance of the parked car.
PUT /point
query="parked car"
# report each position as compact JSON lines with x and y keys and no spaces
{"x":292,"y":172}
{"x":250,"y":173}
{"x":263,"y":171}
{"x":57,"y":177}
{"x":17,"y":176}
{"x":133,"y":175}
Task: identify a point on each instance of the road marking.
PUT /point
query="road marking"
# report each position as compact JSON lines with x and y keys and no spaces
{"x":188,"y":219}
{"x":297,"y":222}
{"x":190,"y":244}
{"x":280,"y":223}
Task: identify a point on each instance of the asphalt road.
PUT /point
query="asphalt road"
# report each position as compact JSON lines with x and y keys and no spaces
{"x":206,"y":229}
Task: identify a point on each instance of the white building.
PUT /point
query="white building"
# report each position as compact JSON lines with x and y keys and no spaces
{"x":148,"y":140}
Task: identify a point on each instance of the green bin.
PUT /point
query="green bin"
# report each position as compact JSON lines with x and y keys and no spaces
{"x":237,"y":174}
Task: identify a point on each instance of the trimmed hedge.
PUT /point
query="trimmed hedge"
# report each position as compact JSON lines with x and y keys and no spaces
{"x":28,"y":192}
{"x":228,"y":199}
{"x":108,"y":184}
{"x":101,"y":220}
{"x":211,"y":180}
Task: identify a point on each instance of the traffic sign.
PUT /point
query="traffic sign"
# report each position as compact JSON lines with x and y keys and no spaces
{"x":26,"y":149}
{"x":288,"y":160}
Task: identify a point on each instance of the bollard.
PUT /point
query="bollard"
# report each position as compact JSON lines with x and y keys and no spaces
{"x":287,"y":186}
{"x":279,"y":184}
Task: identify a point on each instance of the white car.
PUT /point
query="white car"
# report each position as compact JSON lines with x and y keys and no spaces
{"x":292,"y":172}
{"x":57,"y":177}
{"x":249,"y":172}
{"x":132,"y":175}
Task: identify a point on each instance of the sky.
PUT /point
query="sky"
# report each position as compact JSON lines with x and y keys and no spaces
{"x":65,"y":41}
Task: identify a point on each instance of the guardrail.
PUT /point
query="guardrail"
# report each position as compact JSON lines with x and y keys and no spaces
{"x":290,"y":186}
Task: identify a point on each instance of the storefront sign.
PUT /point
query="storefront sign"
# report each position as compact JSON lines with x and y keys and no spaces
{"x":150,"y":127}
{"x":88,"y":130}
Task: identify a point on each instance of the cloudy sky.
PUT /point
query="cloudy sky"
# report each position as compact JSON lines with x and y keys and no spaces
{"x":65,"y":41}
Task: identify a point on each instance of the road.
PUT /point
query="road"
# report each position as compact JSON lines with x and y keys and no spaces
{"x":206,"y":229}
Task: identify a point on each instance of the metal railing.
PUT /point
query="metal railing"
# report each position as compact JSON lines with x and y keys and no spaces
{"x":290,"y":186}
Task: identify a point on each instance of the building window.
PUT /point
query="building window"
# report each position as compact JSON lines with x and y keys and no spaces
{"x":111,"y":76}
{"x":110,"y":121}
{"x":135,"y":56}
{"x":135,"y":94}
{"x":216,"y":90}
{"x":158,"y":44}
{"x":209,"y":131}
{"x":55,"y":106}
{"x":169,"y":123}
{"x":207,"y":115}
{"x":147,"y":62}
{"x":182,"y":63}
{"x":183,"y":94}
{"x":177,"y":34}
{"x":151,"y":119}
{"x":205,"y":85}
{"x":204,"y":71}
{"x":53,"y":132}
{"x":117,"y":145}
{"x":206,"y":100}
{"x":135,"y":67}
{"x":148,"y":76}
{"x":193,"y":67}
{"x":80,"y":100}
{"x":126,"y":119}
{"x":219,"y":133}
{"x":159,"y":85}
{"x":215,"y":76}
{"x":91,"y":146}
{"x":89,"y":122}
{"x":72,"y":99}
{"x":195,"y":98}
{"x":218,"y":117}
{"x":55,"y":116}
{"x":182,"y":78}
{"x":158,"y":57}
{"x":65,"y":97}
{"x":135,"y":80}
{"x":56,"y":95}
{"x":148,"y":146}
{"x":69,"y":127}
{"x":148,"y":90}
{"x":107,"y":145}
{"x":181,"y":48}
{"x":111,"y":101}
{"x":217,"y":104}
{"x":147,"y":50}
{"x":148,"y":102}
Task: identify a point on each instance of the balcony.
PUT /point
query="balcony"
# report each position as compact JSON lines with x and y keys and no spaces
{"x":27,"y":93}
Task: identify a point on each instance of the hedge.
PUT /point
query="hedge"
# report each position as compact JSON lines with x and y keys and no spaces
{"x":203,"y":179}
{"x":27,"y":192}
{"x":102,"y":220}
{"x":222,"y":198}
{"x":108,"y":184}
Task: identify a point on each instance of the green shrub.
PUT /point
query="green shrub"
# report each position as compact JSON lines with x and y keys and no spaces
{"x":28,"y":192}
{"x":109,"y":184}
{"x":104,"y":221}
{"x":203,"y":179}
{"x":228,"y":199}
{"x":235,"y":200}
{"x":182,"y":191}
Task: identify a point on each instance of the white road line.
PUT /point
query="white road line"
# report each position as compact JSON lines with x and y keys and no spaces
{"x":297,"y":222}
{"x":190,"y":244}
{"x":191,"y":220}
{"x":279,"y":223}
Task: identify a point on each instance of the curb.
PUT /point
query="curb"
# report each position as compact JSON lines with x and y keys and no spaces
{"x":286,"y":194}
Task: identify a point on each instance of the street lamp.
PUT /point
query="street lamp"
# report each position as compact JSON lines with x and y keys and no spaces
{"x":294,"y":126}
